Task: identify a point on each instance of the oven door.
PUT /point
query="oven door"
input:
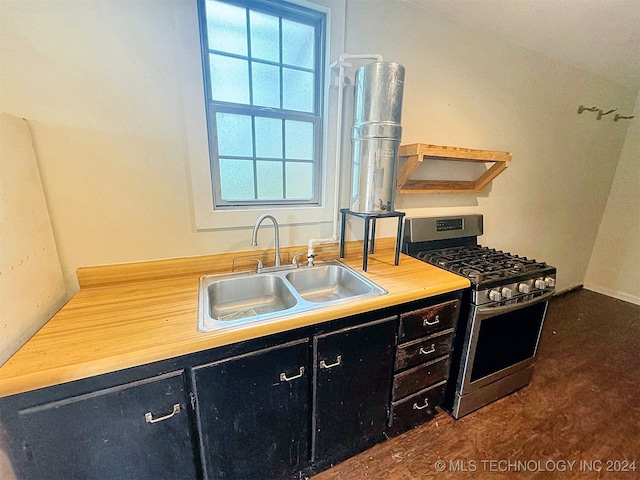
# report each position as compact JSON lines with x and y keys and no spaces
{"x":500,"y":341}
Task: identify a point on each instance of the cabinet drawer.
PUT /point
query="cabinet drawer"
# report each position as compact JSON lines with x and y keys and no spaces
{"x":428,"y":320}
{"x":423,"y":349}
{"x":416,"y":409}
{"x":420,"y":377}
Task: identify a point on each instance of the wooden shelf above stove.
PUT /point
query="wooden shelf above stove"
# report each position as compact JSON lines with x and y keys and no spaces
{"x":415,"y":153}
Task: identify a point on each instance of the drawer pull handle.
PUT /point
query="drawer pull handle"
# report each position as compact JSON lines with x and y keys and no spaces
{"x":149,"y":416}
{"x":432,"y":349}
{"x":284,"y":378}
{"x":426,"y":321}
{"x":324,"y":364}
{"x":418,"y":407}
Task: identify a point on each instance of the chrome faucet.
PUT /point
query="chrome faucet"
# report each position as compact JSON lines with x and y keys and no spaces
{"x":254,"y":237}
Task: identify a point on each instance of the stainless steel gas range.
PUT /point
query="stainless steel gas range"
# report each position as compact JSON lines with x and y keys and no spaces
{"x":501,"y":316}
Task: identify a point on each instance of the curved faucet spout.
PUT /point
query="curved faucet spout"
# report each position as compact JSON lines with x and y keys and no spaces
{"x":254,"y":236}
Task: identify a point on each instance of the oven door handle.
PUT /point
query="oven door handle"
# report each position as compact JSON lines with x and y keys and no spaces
{"x":493,"y":311}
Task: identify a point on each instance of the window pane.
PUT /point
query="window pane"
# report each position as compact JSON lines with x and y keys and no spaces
{"x":297,"y":44}
{"x":265,"y":36}
{"x":297,"y":90}
{"x":234,"y":135}
{"x":263,"y":113}
{"x":266,"y":85}
{"x":269,"y":180}
{"x":299,"y":180}
{"x":298,"y":140}
{"x":226,"y":27}
{"x":236,"y":179}
{"x":268,"y":137}
{"x":229,"y":79}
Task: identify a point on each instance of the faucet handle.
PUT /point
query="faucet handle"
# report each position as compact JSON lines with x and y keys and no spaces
{"x":310,"y":259}
{"x":295,"y":262}
{"x":259,"y":269}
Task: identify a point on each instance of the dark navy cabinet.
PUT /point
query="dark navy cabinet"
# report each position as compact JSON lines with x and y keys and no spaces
{"x":282,"y":406}
{"x":354,"y":367}
{"x":253,"y":413}
{"x":133,"y":431}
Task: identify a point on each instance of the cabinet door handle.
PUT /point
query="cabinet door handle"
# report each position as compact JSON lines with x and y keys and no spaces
{"x":432,"y":349}
{"x":284,"y":378}
{"x":426,"y":321}
{"x":421,"y":407}
{"x":149,"y":416}
{"x":324,"y":364}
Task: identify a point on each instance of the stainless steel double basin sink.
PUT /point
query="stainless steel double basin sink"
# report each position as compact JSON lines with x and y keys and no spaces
{"x":239,"y":298}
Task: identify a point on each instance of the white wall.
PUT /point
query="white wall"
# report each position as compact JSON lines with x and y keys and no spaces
{"x":466,"y":88}
{"x":31,"y":286}
{"x":101,"y":83}
{"x":614,"y":268}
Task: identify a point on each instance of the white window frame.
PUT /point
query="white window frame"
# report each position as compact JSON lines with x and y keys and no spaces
{"x":205,"y":216}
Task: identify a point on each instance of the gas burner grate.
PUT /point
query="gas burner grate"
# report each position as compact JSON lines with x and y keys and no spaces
{"x":480,"y":264}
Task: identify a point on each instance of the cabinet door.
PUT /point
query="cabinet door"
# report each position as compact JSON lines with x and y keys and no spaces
{"x":253,"y":413}
{"x":354,"y":369}
{"x":134,"y":431}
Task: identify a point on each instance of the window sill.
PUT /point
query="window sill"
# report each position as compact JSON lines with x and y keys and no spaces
{"x":224,"y":219}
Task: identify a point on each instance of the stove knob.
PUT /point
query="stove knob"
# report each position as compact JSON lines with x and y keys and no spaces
{"x":495,"y":295}
{"x":550,"y":282}
{"x":540,"y":284}
{"x":506,"y":292}
{"x":524,"y":288}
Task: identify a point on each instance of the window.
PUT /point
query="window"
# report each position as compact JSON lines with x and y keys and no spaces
{"x":263,"y":67}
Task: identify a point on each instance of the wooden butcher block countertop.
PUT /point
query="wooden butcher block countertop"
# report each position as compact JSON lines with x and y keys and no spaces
{"x":130,"y":315}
